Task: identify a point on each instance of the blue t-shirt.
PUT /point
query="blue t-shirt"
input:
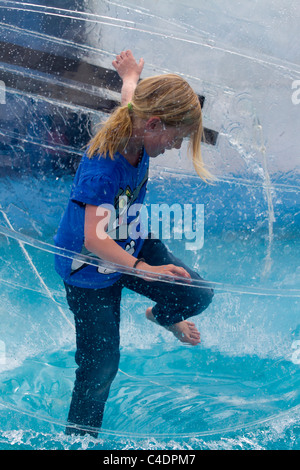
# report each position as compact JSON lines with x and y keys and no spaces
{"x":118,"y":186}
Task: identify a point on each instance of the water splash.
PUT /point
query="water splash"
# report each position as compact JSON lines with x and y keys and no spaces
{"x":247,"y":138}
{"x":268,"y":190}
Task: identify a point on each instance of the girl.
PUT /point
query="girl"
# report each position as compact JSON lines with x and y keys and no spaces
{"x":155,"y":114}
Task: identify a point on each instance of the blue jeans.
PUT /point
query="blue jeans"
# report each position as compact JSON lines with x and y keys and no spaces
{"x":97,"y":321}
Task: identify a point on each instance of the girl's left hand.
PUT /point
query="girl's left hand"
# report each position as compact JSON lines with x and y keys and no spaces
{"x":127,"y":67}
{"x":160,"y":271}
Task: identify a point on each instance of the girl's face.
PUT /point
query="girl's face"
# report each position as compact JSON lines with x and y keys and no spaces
{"x":159,"y":137}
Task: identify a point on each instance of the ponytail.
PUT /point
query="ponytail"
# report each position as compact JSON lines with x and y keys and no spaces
{"x":114,"y":134}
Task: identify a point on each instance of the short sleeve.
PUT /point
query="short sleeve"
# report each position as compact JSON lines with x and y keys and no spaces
{"x":94,"y":190}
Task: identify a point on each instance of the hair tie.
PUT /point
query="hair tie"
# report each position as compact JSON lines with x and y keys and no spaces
{"x":129,"y":106}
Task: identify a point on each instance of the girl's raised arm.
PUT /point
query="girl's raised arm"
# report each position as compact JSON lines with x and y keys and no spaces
{"x":130,"y":71}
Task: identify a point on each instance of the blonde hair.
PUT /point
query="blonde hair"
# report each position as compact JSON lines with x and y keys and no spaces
{"x":168,"y":97}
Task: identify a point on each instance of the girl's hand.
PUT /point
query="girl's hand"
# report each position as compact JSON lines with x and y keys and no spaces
{"x":127,"y":67}
{"x":162,"y":271}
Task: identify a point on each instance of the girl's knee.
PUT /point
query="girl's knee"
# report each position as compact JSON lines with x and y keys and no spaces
{"x":98,"y":372}
{"x":98,"y":359}
{"x":109,"y":370}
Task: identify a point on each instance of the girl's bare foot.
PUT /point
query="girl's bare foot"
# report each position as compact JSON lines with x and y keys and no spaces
{"x":185,"y":330}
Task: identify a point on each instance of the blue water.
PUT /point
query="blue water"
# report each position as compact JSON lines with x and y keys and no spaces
{"x":239,"y":389}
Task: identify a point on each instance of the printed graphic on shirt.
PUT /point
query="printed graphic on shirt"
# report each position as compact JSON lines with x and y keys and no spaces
{"x":78,"y":265}
{"x":118,"y":226}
